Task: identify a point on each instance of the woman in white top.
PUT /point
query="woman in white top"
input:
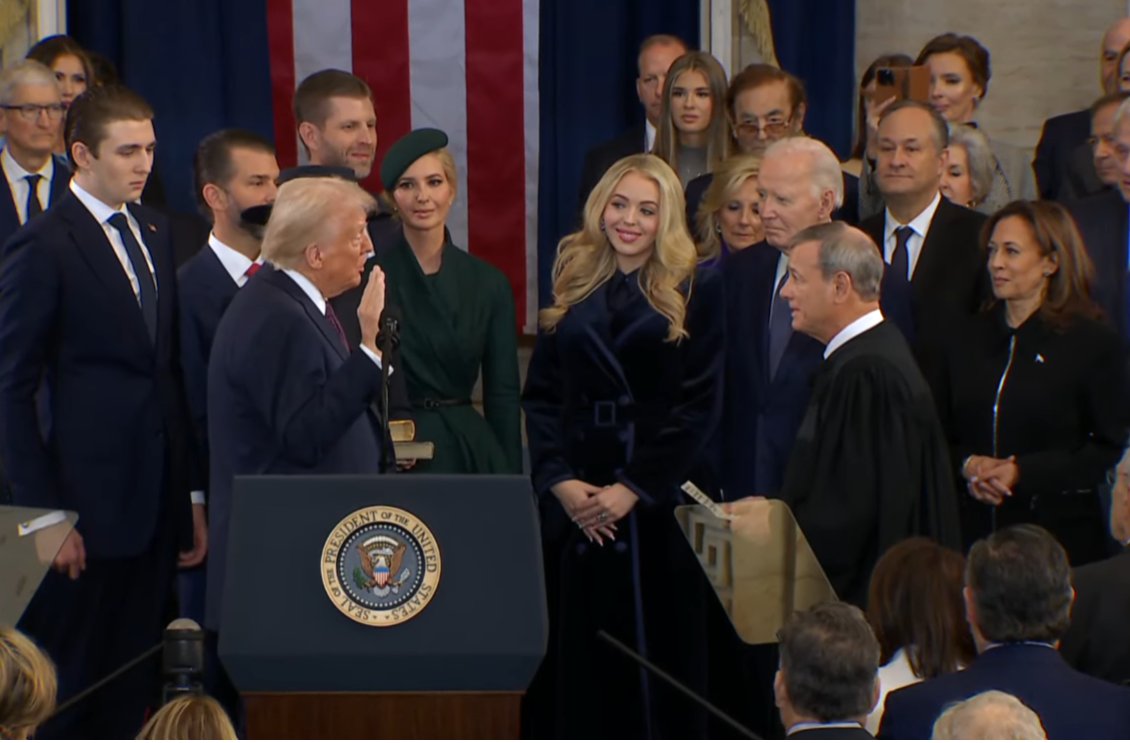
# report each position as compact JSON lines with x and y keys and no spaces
{"x":915,"y":607}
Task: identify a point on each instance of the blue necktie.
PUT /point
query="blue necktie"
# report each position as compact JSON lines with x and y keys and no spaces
{"x":780,"y":327}
{"x":147,"y":289}
{"x":900,"y":259}
{"x":34,"y":207}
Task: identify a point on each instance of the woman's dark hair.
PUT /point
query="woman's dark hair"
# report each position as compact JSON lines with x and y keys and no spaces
{"x":976,"y":56}
{"x":1068,"y":292}
{"x":50,"y":48}
{"x":915,"y":603}
{"x":883,"y":60}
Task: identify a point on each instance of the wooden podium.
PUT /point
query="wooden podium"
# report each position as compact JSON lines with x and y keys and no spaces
{"x":305,"y":557}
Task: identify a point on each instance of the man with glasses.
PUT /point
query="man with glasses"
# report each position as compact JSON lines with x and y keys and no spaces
{"x":657,"y":53}
{"x":767,"y":104}
{"x":1095,"y":642}
{"x":31,"y":115}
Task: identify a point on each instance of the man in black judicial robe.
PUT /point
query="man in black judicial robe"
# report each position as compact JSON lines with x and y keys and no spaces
{"x":870,"y":465}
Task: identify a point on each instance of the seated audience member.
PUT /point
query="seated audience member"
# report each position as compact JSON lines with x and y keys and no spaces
{"x":1095,"y":643}
{"x":656,"y":55}
{"x":1063,"y":169}
{"x":914,"y":606}
{"x":1033,"y":390}
{"x":27,"y":685}
{"x":765,"y":104}
{"x":1018,"y":601}
{"x":968,"y":174}
{"x":189,"y":717}
{"x":828,"y":678}
{"x":991,"y":715}
{"x":1100,"y":152}
{"x":728,"y":219}
{"x":693,"y":135}
{"x":868,"y":110}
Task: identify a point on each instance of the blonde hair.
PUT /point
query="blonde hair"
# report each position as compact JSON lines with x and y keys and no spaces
{"x":27,"y":684}
{"x":718,"y":140}
{"x":446,"y":164}
{"x":189,"y":717}
{"x":728,"y":180}
{"x":586,"y":259}
{"x":303,"y":213}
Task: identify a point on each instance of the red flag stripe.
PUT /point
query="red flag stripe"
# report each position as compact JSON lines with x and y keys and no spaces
{"x":280,"y":42}
{"x":380,"y":58}
{"x":496,"y":168}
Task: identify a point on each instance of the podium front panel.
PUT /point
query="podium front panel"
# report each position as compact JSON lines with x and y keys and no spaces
{"x":26,"y":556}
{"x":484,"y":628}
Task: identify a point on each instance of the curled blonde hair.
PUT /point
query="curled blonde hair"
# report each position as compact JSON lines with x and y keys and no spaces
{"x":586,"y":259}
{"x":189,"y":717}
{"x":303,"y":213}
{"x":28,"y":685}
{"x":728,"y":179}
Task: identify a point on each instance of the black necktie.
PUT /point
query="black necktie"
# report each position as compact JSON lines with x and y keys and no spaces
{"x":33,"y":205}
{"x":900,"y":259}
{"x":780,"y":327}
{"x":146,"y":288}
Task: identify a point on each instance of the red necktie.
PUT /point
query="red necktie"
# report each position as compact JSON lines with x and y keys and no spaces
{"x":252,"y":269}
{"x":332,"y":317}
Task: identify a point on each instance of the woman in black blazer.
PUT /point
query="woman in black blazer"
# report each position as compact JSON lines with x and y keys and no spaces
{"x":1032,"y":389}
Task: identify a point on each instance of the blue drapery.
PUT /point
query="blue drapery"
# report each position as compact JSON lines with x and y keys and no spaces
{"x":202,"y":65}
{"x":587,"y":91}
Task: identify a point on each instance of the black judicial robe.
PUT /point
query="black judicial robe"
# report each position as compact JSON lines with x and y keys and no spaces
{"x":609,"y":400}
{"x":871,"y":464}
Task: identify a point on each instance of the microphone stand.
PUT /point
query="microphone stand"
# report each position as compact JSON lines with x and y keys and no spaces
{"x":663,"y":675}
{"x":388,"y":339}
{"x":71,"y":702}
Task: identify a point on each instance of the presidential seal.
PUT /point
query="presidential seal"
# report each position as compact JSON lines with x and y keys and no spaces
{"x":380,"y":566}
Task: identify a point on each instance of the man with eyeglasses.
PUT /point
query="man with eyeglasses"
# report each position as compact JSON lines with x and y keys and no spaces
{"x":767,"y":104}
{"x":657,"y":53}
{"x":31,"y":115}
{"x":1103,"y":222}
{"x":1095,"y":644}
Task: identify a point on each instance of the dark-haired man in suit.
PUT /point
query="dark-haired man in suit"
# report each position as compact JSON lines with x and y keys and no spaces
{"x":88,"y":301}
{"x":935,"y":273}
{"x":657,"y":53}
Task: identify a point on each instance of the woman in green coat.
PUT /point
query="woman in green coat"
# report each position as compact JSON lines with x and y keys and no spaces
{"x":457,"y":319}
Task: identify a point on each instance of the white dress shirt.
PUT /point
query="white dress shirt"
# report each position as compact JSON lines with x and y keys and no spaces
{"x":233,"y":261}
{"x":648,"y":135}
{"x":857,"y":327}
{"x":102,"y":213}
{"x":18,"y":185}
{"x":894,"y":675}
{"x":920,"y":225}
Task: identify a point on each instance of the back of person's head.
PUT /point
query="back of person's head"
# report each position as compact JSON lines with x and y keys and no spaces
{"x":1018,"y":586}
{"x":96,"y":109}
{"x":914,"y":603}
{"x":312,"y":97}
{"x":305,"y":213}
{"x":27,"y":685}
{"x":991,"y":715}
{"x":189,"y":717}
{"x":829,"y":663}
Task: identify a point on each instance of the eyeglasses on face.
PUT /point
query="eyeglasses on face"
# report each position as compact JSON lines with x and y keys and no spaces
{"x":31,"y":111}
{"x":773,"y":127}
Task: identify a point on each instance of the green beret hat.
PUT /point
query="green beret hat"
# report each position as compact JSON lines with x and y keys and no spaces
{"x":407,"y":150}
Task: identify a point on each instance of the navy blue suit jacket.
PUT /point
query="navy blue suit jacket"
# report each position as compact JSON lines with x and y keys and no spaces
{"x":10,"y":218}
{"x":1070,"y":704}
{"x":1064,"y":164}
{"x":119,"y":450}
{"x":284,"y":397}
{"x":761,"y":415}
{"x":206,"y":289}
{"x":1102,"y":221}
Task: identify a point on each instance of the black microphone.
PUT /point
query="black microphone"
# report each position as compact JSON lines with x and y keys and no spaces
{"x":388,"y":340}
{"x":660,"y":673}
{"x":182,"y":659}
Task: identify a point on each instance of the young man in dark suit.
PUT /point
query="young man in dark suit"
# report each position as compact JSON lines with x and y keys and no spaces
{"x":657,"y":53}
{"x":31,"y":114}
{"x":1018,"y":598}
{"x":88,"y":302}
{"x":935,"y":271}
{"x":286,"y":394}
{"x":1061,"y":174}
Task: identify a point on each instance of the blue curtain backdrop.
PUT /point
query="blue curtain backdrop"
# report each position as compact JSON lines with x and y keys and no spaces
{"x":815,"y":40}
{"x":587,"y":94}
{"x":202,"y":64}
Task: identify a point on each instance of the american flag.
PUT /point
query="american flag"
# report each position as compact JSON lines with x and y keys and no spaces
{"x":469,"y":67}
